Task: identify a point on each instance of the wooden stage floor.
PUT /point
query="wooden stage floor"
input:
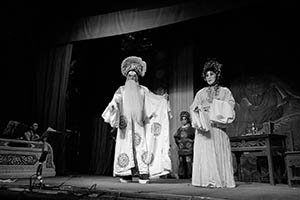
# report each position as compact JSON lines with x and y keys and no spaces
{"x":104,"y":187}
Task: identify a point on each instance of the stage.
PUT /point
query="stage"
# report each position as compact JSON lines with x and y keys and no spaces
{"x":104,"y":187}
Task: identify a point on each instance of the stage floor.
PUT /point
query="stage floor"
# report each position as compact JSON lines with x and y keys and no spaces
{"x":104,"y":187}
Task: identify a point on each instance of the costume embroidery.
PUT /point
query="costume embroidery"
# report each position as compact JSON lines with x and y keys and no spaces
{"x":156,"y":129}
{"x":123,"y":160}
{"x":137,"y":139}
{"x":123,"y":122}
{"x":212,"y":92}
{"x":147,"y":157}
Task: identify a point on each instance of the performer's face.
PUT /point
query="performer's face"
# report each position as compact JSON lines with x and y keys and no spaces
{"x":183,"y":120}
{"x":210,"y":77}
{"x":132,"y":76}
{"x":35,"y":126}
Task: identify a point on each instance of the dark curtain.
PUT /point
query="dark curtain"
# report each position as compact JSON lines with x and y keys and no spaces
{"x":52,"y":79}
{"x":181,"y":91}
{"x":103,"y":144}
{"x":96,"y":75}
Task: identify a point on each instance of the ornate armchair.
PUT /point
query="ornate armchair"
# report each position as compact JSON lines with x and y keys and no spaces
{"x":20,"y":159}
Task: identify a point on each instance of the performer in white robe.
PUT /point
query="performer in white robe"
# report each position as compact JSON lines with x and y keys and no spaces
{"x":212,"y":110}
{"x":141,"y":117}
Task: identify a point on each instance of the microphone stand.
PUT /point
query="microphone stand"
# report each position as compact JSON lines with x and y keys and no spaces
{"x":41,"y":161}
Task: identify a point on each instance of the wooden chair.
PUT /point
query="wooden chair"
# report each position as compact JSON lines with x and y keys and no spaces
{"x":292,"y":161}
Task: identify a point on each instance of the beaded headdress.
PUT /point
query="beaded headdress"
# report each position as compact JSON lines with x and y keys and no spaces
{"x":133,"y":63}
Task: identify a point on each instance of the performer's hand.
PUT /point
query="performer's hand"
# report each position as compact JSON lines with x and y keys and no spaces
{"x":200,"y":129}
{"x":170,"y":115}
{"x":147,"y":120}
{"x":198,"y":109}
{"x":166,"y":96}
{"x":112,"y":108}
{"x":218,"y":125}
{"x":206,"y":108}
{"x":153,"y":115}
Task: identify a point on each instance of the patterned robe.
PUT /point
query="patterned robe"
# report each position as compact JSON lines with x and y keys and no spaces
{"x":212,"y":151}
{"x":144,"y":148}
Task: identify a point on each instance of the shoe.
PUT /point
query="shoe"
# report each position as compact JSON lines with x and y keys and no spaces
{"x":211,"y":186}
{"x":126,"y":179}
{"x":144,"y":181}
{"x":144,"y":178}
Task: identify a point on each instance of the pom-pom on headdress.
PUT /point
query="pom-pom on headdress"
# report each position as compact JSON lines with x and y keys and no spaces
{"x":212,"y":65}
{"x":133,"y":63}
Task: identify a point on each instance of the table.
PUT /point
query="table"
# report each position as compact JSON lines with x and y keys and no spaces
{"x":267,"y":144}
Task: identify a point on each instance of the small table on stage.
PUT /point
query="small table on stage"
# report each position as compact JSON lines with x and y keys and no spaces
{"x":267,"y":144}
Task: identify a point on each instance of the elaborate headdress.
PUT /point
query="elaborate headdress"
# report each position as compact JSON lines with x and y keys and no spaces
{"x":133,"y":63}
{"x":186,"y":115}
{"x":212,"y":65}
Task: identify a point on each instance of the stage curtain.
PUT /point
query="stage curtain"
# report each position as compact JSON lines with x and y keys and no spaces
{"x":181,"y":92}
{"x":103,"y":145}
{"x":132,"y":20}
{"x":52,"y":78}
{"x":54,"y":64}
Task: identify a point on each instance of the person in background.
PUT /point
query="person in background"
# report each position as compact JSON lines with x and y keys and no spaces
{"x":31,"y":134}
{"x":15,"y":130}
{"x":10,"y":130}
{"x":184,"y":138}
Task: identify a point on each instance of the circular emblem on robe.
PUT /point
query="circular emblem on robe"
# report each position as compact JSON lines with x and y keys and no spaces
{"x":156,"y":128}
{"x":123,"y":160}
{"x":137,"y":139}
{"x":147,"y":157}
{"x":123,"y":122}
